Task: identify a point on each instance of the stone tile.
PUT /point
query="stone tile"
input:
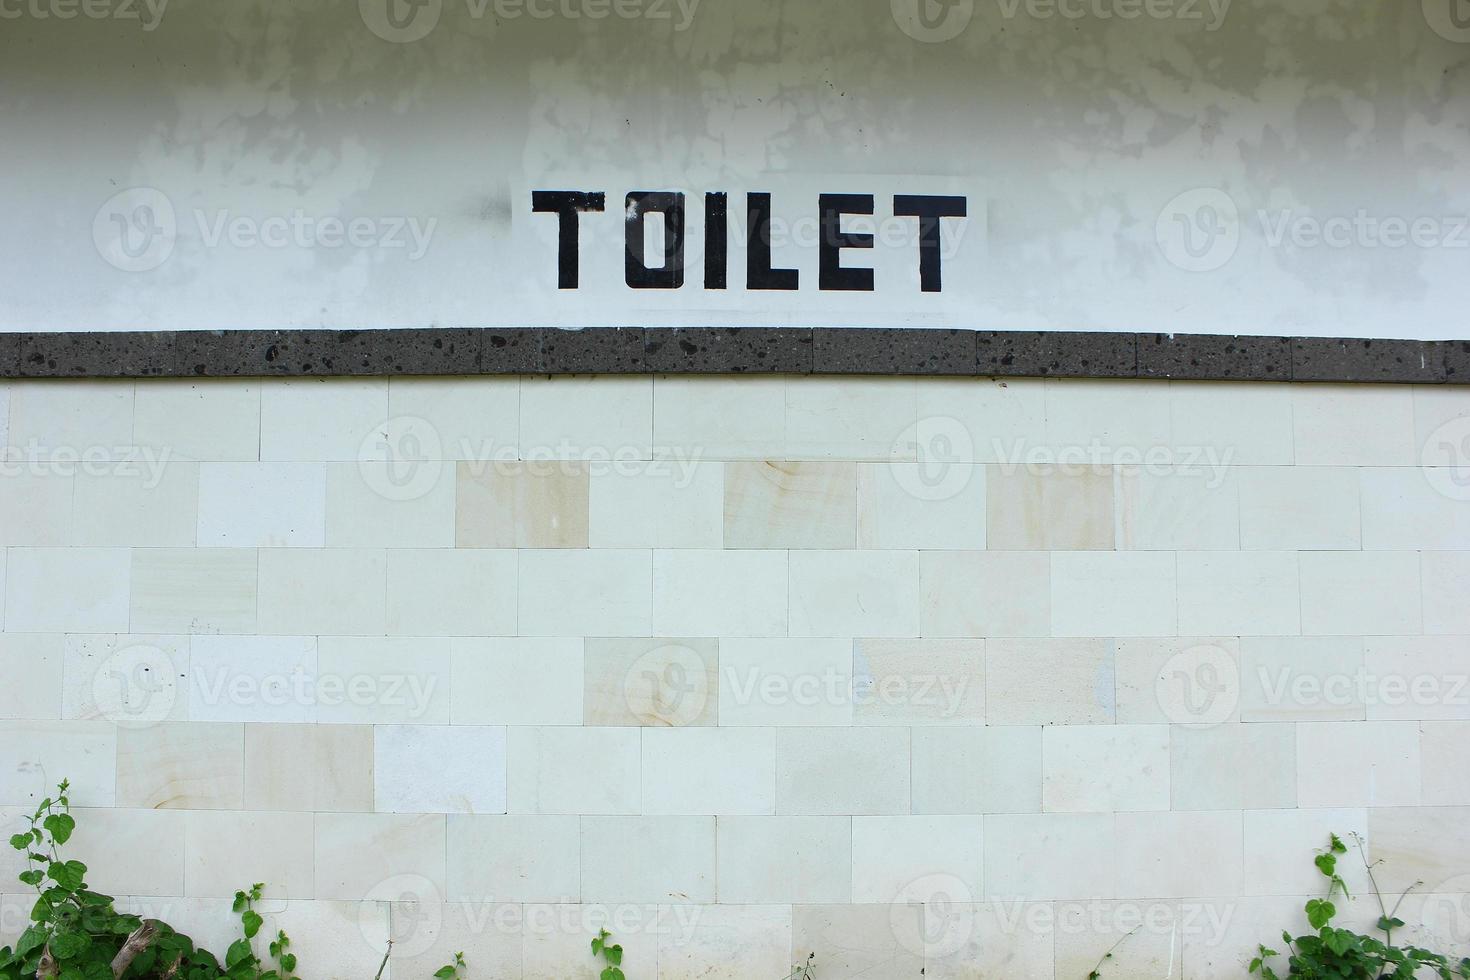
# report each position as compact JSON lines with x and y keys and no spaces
{"x":1226,"y":423}
{"x":1417,"y":678}
{"x":191,"y":420}
{"x":1333,"y":359}
{"x":1233,"y":767}
{"x":377,"y":680}
{"x":1185,"y":680}
{"x":1299,"y":508}
{"x":35,"y":508}
{"x":660,"y":682}
{"x":918,"y":682}
{"x":367,"y":508}
{"x":852,"y":419}
{"x":648,"y":859}
{"x":921,"y":505}
{"x":439,"y":769}
{"x":1031,"y":354}
{"x":959,"y":593}
{"x":181,"y":766}
{"x":1280,"y":845}
{"x":54,"y":590}
{"x":139,"y":852}
{"x":1177,"y":855}
{"x":469,"y":592}
{"x":586,"y":418}
{"x":1102,"y":422}
{"x":97,"y":354}
{"x":1206,"y":357}
{"x":1301,"y":678}
{"x":32,"y":667}
{"x":1031,"y":511}
{"x":728,"y":350}
{"x":436,"y":350}
{"x":897,"y":859}
{"x":253,"y":678}
{"x":1113,"y":593}
{"x":514,"y":858}
{"x":872,"y":593}
{"x":773,"y":504}
{"x":515,"y":681}
{"x":1360,"y":763}
{"x":711,"y":418}
{"x":1445,"y":577}
{"x":36,"y":755}
{"x":881,"y":350}
{"x":779,"y":681}
{"x":1103,"y":768}
{"x":521,"y":505}
{"x":1178,"y":511}
{"x":995,"y":769}
{"x":769,"y":859}
{"x":315,"y":420}
{"x":1402,"y":511}
{"x":1428,"y":844}
{"x":708,"y":770}
{"x":153,"y":508}
{"x":574,"y":770}
{"x":262,"y":505}
{"x":596,"y":351}
{"x":320,"y":768}
{"x":93,"y":417}
{"x":1049,"y":682}
{"x":1238,"y":593}
{"x":667,"y":504}
{"x":849,"y":940}
{"x":511,"y":350}
{"x":842,"y":771}
{"x":1442,"y":746}
{"x":727,"y":942}
{"x":1347,"y":592}
{"x":1050,"y":856}
{"x":451,"y":418}
{"x":693,"y":593}
{"x":356,"y":852}
{"x":312,"y":591}
{"x":182,"y":590}
{"x":1353,"y":425}
{"x":225,"y":848}
{"x":586,"y":593}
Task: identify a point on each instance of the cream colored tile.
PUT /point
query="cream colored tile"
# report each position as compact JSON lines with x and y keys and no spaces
{"x":898,"y":859}
{"x":1238,"y":593}
{"x":586,"y":593}
{"x":36,"y":755}
{"x":309,"y":767}
{"x":708,"y":770}
{"x":1028,"y":510}
{"x":962,"y":592}
{"x":1428,"y":844}
{"x":1357,"y":763}
{"x":669,"y":503}
{"x":1305,"y":678}
{"x":815,"y":774}
{"x":977,"y":770}
{"x":785,"y":859}
{"x":1099,"y":420}
{"x":786,"y":682}
{"x":1446,"y":581}
{"x":382,"y":680}
{"x":1353,"y":425}
{"x":367,"y":509}
{"x":309,"y":590}
{"x":181,"y":766}
{"x":726,"y":942}
{"x":556,"y":937}
{"x":133,"y":852}
{"x":469,"y":592}
{"x":919,"y":682}
{"x":514,"y":858}
{"x":1093,"y":933}
{"x":692,"y":593}
{"x":139,"y":509}
{"x":1233,"y":767}
{"x":648,"y":859}
{"x":198,"y":420}
{"x":53,"y":590}
{"x":930,"y":504}
{"x":774,"y":504}
{"x":851,"y":418}
{"x":1346,"y":592}
{"x":76,"y":414}
{"x":1113,"y":593}
{"x":995,"y":939}
{"x":132,"y":680}
{"x":32,"y":667}
{"x":850,"y":940}
{"x":1418,"y":677}
{"x":227,"y":848}
{"x":1101,"y":768}
{"x":574,"y":770}
{"x":357,"y":852}
{"x":489,"y":935}
{"x":517,"y":681}
{"x":1046,"y":856}
{"x":1178,"y":511}
{"x":319,"y":419}
{"x":1402,"y":510}
{"x":1241,"y":423}
{"x":870,"y":593}
{"x":253,"y":678}
{"x":1299,"y":508}
{"x":35,"y":508}
{"x":439,"y":769}
{"x":719,"y":418}
{"x":204,"y":590}
{"x":661,"y":682}
{"x":1280,"y":845}
{"x":1049,"y":682}
{"x":262,"y":505}
{"x":1177,"y":855}
{"x":541,"y":504}
{"x":1442,"y":747}
{"x":1185,"y":680}
{"x":981,"y":419}
{"x":597,"y":417}
{"x":475,"y":419}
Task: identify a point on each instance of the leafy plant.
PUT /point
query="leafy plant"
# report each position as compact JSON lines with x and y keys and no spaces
{"x":612,"y":955}
{"x":76,"y":934}
{"x":1342,"y":953}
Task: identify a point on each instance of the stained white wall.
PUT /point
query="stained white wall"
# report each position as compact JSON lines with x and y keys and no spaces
{"x":1073,"y":128}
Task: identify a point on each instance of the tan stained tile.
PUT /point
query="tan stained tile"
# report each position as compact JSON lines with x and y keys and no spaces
{"x":773,"y":504}
{"x":536,"y":504}
{"x":181,"y":765}
{"x":651,"y":682}
{"x":1063,"y":510}
{"x":309,"y":767}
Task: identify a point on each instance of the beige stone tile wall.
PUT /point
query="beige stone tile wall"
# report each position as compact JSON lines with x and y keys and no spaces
{"x":968,"y":677}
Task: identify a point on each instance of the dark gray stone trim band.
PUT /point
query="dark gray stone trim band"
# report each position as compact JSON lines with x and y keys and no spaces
{"x":724,"y":350}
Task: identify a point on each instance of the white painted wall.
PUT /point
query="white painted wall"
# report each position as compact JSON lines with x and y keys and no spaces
{"x":1074,"y":129}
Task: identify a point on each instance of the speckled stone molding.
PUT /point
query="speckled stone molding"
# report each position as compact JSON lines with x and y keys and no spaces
{"x":728,"y":350}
